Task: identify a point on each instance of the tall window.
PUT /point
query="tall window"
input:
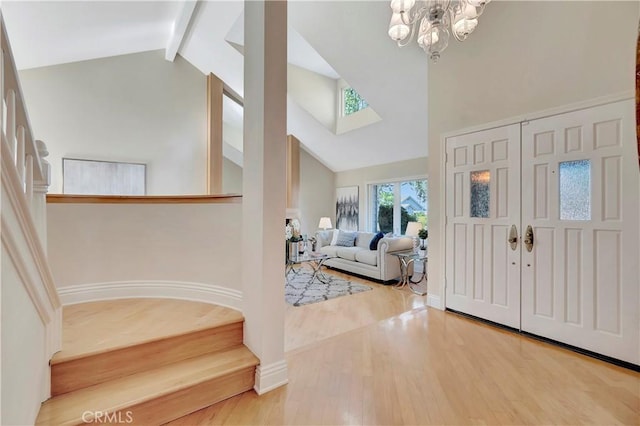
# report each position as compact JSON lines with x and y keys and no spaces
{"x":352,"y":102}
{"x":393,"y":204}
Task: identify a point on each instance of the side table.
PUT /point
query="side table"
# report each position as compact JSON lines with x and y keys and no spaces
{"x":406,"y":259}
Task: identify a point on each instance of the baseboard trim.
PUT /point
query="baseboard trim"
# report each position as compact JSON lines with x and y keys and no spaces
{"x":196,"y":292}
{"x":434,"y":302}
{"x":270,"y":377}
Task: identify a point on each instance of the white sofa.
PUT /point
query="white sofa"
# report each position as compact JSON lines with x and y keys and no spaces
{"x":378,"y":264}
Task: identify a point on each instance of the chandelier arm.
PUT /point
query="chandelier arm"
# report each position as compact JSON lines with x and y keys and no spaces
{"x":410,"y":38}
{"x":451,"y":24}
{"x":413,"y":18}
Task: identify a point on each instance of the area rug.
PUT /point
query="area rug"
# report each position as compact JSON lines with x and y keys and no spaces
{"x":298,"y":291}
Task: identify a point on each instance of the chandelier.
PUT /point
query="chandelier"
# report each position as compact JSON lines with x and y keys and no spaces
{"x":437,"y":19}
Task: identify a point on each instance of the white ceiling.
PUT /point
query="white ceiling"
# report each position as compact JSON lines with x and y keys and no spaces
{"x":47,"y":32}
{"x":333,"y":38}
{"x":299,"y":51}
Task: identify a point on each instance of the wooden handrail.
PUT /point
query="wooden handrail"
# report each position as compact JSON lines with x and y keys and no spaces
{"x":144,"y":199}
{"x":12,"y":83}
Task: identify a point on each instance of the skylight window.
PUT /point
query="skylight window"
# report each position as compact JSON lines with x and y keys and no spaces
{"x":352,"y":102}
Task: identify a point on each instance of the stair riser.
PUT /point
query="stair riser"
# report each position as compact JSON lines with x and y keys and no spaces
{"x":175,"y":405}
{"x":76,"y":374}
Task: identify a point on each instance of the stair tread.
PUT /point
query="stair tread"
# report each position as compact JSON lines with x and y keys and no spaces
{"x":130,"y":390}
{"x":98,"y":327}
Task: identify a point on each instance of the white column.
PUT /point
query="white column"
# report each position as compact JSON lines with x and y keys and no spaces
{"x":264,"y":187}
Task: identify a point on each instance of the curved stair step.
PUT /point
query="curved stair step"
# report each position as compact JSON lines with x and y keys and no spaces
{"x":159,"y":395}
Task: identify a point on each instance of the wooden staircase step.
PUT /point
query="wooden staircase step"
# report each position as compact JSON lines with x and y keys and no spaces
{"x":96,"y":327}
{"x":109,"y":339}
{"x":73,"y":373}
{"x":159,"y":395}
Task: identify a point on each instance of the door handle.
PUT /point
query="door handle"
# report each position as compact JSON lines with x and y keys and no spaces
{"x":528,"y":238}
{"x":513,"y":237}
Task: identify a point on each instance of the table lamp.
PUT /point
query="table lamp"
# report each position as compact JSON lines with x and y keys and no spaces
{"x":412,"y":231}
{"x":325,"y":223}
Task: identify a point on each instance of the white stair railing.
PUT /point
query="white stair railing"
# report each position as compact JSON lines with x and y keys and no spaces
{"x":31,"y":309}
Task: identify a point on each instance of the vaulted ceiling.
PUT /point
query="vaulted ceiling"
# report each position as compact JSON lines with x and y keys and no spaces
{"x":332,"y":38}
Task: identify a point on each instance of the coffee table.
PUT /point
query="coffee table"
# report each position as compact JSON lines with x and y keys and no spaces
{"x":406,"y":258}
{"x":314,"y":260}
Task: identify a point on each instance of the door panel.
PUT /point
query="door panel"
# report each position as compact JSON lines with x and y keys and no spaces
{"x":580,"y":187}
{"x":482,"y":204}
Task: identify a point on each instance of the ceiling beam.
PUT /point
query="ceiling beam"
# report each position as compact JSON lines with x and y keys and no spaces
{"x":180,"y":26}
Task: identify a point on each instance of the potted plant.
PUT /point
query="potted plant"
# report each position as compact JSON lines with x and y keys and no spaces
{"x":423,"y":234}
{"x":293,"y":237}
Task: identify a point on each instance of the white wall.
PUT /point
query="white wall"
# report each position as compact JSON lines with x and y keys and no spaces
{"x":416,"y":167}
{"x":317,"y":189}
{"x":232,"y":135}
{"x":524,"y":57}
{"x":177,"y":243}
{"x":315,"y":93}
{"x":134,"y":108}
{"x":317,"y":193}
{"x":231,"y":177}
{"x":23,"y":350}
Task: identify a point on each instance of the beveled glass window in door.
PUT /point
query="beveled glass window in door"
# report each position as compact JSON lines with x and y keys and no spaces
{"x":575,"y":190}
{"x":480,"y":193}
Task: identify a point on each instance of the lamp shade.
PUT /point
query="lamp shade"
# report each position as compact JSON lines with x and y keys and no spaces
{"x":412,"y":229}
{"x":325,"y":223}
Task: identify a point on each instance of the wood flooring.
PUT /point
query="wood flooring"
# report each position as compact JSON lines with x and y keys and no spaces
{"x":383,"y":358}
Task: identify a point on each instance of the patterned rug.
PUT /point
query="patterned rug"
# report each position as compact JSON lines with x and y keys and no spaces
{"x":298,"y":291}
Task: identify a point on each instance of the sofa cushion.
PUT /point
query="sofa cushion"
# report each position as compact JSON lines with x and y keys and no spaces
{"x":348,"y":253}
{"x":346,"y":239}
{"x":324,"y":237}
{"x":363,"y":239}
{"x":370,"y":257}
{"x":373,"y":245}
{"x":330,"y":251}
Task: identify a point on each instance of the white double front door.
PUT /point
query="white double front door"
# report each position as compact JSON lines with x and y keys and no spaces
{"x":573,"y":180}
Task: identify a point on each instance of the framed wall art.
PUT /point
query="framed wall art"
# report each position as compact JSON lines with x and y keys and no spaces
{"x":347,"y":208}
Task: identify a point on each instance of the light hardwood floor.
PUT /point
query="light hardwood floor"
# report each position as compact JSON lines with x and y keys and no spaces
{"x":310,"y":324}
{"x":383,"y":358}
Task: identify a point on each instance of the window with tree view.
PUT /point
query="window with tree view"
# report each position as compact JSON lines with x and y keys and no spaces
{"x":394,"y":204}
{"x":352,"y":102}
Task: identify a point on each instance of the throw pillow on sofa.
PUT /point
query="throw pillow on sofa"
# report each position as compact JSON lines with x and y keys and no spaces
{"x":346,"y":239}
{"x":324,"y":237}
{"x":334,"y":238}
{"x":373,"y":245}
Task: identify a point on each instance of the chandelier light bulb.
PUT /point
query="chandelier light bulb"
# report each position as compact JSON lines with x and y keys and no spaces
{"x":471,"y":12}
{"x":478,"y":3}
{"x":463,"y":27}
{"x":401,"y":6}
{"x":398,"y":30}
{"x":439,"y":36}
{"x":425,"y":29}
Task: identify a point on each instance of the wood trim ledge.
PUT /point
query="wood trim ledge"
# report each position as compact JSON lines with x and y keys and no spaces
{"x":144,"y":199}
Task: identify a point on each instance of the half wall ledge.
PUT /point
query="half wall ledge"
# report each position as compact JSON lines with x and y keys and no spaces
{"x":144,"y":199}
